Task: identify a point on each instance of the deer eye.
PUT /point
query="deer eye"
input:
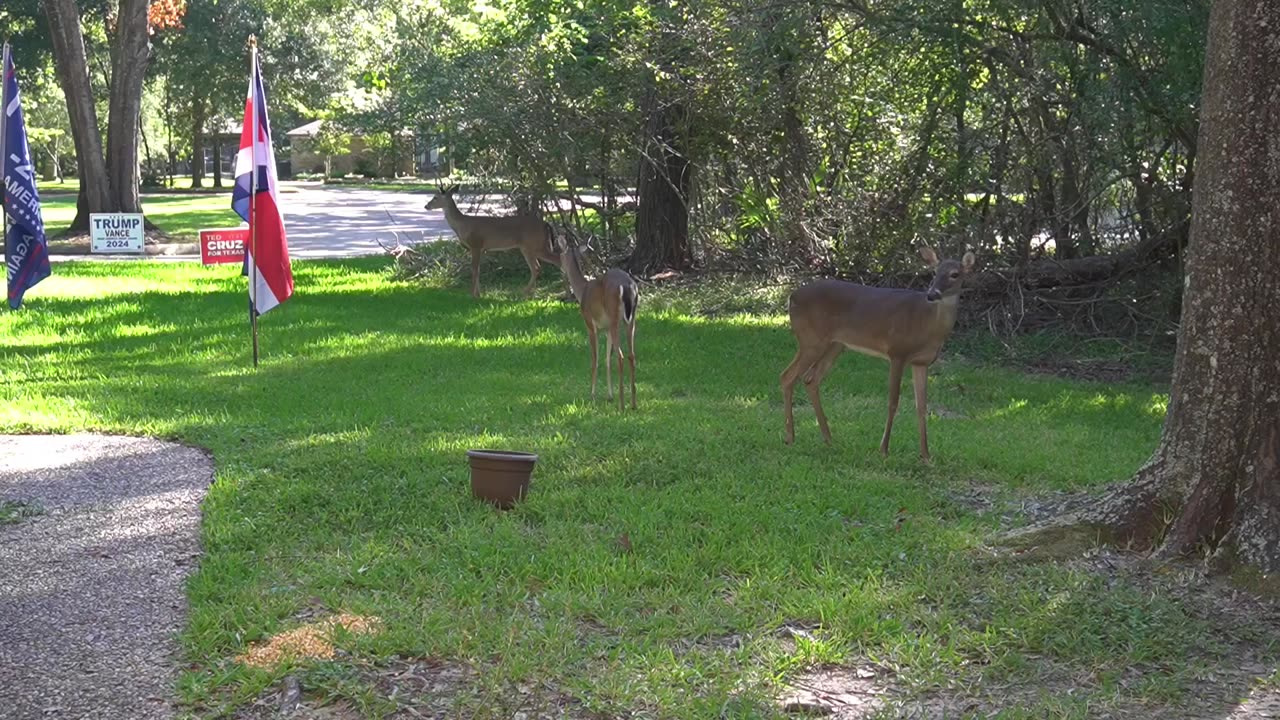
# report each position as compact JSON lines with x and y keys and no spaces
{"x":954,"y":274}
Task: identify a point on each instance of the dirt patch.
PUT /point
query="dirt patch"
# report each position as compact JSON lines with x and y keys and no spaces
{"x":840,"y":692}
{"x":155,"y":242}
{"x":404,"y":688}
{"x":1105,"y":371}
{"x":1014,"y":509}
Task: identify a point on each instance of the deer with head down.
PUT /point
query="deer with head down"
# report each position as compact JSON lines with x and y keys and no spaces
{"x":482,"y":233}
{"x":906,"y":327}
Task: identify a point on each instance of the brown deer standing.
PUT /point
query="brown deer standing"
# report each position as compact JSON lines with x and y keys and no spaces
{"x":481,"y":234}
{"x":906,"y":327}
{"x":608,"y":301}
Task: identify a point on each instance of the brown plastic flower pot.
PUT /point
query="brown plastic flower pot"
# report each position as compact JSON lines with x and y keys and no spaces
{"x":501,"y":476}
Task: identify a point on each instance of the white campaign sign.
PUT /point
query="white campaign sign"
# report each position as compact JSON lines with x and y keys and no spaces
{"x":115,"y":233}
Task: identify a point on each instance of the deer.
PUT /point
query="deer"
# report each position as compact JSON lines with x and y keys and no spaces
{"x":608,"y":301}
{"x":481,"y":233}
{"x":905,"y":327}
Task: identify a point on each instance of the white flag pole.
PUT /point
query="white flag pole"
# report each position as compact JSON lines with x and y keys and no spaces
{"x":253,"y":192}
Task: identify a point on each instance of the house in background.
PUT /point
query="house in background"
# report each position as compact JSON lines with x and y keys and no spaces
{"x":403,"y":158}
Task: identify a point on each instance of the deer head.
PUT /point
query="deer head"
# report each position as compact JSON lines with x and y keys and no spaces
{"x":441,"y":198}
{"x":948,"y":276}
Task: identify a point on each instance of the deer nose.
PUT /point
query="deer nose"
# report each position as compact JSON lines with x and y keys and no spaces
{"x":933,"y":295}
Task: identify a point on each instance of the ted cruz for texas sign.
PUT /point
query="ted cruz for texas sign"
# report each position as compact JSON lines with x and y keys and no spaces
{"x":223,"y":245}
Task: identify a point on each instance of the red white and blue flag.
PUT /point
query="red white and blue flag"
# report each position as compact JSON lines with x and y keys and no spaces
{"x":267,"y":253}
{"x":26,"y":250}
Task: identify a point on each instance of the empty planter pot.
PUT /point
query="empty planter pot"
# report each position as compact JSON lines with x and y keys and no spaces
{"x":501,"y":476}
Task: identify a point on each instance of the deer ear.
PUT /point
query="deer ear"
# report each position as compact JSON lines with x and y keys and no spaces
{"x":929,"y":255}
{"x":967,"y":261}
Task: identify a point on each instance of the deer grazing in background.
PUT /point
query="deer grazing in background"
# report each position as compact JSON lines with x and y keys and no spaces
{"x":481,"y":233}
{"x":608,"y":301}
{"x":906,"y":327}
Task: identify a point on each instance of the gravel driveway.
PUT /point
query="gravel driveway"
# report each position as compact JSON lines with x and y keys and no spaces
{"x":92,"y":586}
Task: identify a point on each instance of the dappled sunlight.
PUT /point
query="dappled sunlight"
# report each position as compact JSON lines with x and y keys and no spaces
{"x":137,"y":330}
{"x":1013,"y":407}
{"x":342,"y":469}
{"x":543,"y":338}
{"x":1159,"y":405}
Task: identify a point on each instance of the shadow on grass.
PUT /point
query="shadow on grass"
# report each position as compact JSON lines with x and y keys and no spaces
{"x":342,"y":476}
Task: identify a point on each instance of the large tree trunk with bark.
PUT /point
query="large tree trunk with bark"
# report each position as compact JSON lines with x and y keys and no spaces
{"x":662,"y":220}
{"x":129,"y":69}
{"x":1214,"y":480}
{"x":199,"y":109}
{"x":73,"y":74}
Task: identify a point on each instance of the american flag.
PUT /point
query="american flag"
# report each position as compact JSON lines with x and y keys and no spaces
{"x":267,"y":254}
{"x":25,"y":248}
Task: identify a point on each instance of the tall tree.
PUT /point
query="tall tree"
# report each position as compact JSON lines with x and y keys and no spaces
{"x":129,"y":61}
{"x":108,"y":182}
{"x":1214,"y":480}
{"x":665,"y":183}
{"x":73,"y":74}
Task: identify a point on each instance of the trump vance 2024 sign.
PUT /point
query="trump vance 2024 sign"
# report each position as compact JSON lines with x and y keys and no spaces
{"x":115,"y":232}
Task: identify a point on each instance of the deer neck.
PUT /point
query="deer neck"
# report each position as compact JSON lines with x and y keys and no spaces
{"x":453,"y":215}
{"x":573,"y":270}
{"x":945,"y":312}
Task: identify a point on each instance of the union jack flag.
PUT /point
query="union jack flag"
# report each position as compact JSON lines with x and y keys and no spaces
{"x":267,"y":254}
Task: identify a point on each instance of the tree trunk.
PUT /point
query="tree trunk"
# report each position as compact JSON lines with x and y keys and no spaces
{"x":662,"y":221}
{"x":73,"y":75}
{"x":199,"y":107}
{"x":1214,"y":480}
{"x":132,"y":50}
{"x":217,"y":160}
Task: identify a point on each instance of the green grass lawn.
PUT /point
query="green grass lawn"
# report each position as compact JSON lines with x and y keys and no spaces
{"x":180,"y":183}
{"x":342,"y":483}
{"x":181,"y":216}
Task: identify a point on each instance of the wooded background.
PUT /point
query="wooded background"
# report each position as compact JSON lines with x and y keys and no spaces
{"x":1056,"y":138}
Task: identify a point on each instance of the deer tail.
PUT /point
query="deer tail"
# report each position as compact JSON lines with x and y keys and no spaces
{"x":630,"y":299}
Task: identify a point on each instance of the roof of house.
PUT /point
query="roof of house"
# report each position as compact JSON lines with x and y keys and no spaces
{"x":312,"y":129}
{"x":309,"y":130}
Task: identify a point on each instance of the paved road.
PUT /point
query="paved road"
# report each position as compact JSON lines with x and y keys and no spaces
{"x":336,"y":222}
{"x":347,"y":222}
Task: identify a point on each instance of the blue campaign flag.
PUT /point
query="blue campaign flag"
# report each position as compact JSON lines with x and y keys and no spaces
{"x":26,"y":250}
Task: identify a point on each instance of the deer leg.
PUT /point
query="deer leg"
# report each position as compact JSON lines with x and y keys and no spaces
{"x":920,"y":381}
{"x":804,"y":359}
{"x":611,"y":336}
{"x":595,"y":360}
{"x":631,"y":331}
{"x":813,"y":379}
{"x":534,"y":267}
{"x":622,"y":373}
{"x":895,"y":387}
{"x":475,"y":272}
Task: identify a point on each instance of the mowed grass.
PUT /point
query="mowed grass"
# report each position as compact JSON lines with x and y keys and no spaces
{"x":181,"y":216}
{"x":660,"y":551}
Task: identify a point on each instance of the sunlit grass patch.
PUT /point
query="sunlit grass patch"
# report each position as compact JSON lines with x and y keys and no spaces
{"x":661,"y":552}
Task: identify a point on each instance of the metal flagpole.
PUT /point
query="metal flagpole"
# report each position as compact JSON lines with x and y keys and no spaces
{"x":4,"y":134}
{"x":253,"y":191}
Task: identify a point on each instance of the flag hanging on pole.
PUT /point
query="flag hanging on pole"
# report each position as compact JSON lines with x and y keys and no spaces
{"x":255,"y":200}
{"x":26,"y":250}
